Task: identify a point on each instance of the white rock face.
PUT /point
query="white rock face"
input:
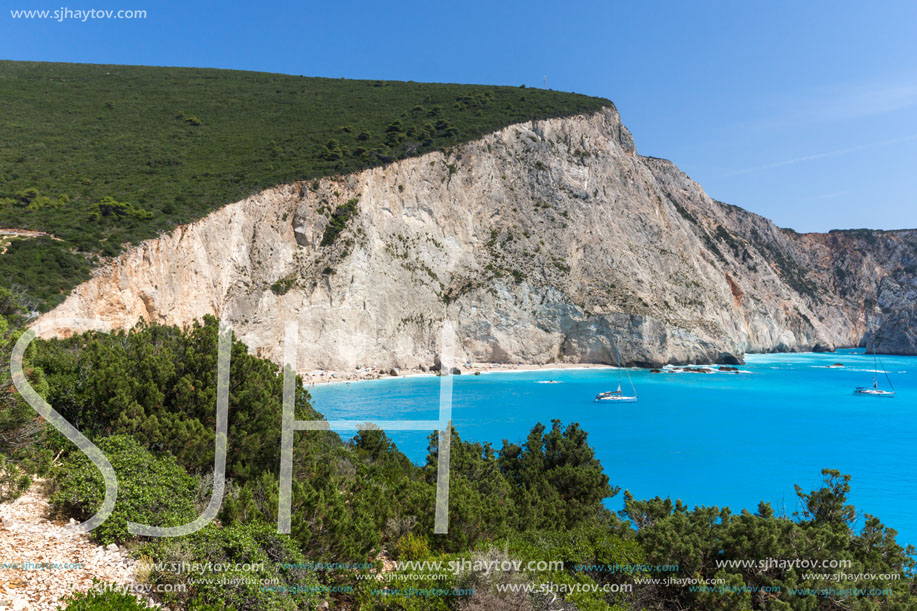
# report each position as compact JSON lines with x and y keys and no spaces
{"x":548,"y":241}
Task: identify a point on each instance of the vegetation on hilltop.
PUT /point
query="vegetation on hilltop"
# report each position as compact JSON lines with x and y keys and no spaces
{"x":100,"y":156}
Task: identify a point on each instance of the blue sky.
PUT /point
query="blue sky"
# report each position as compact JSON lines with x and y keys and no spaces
{"x":803,"y":112}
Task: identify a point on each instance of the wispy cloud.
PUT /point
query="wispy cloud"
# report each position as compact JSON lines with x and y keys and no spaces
{"x":822,"y":155}
{"x":839,"y":102}
{"x":868,"y":99}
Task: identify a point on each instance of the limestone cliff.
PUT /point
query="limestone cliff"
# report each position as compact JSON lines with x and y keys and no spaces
{"x":546,"y":241}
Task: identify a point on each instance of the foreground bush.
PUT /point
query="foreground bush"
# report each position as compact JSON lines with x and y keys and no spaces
{"x":154,"y":491}
{"x":244,"y":568}
{"x":109,"y":600}
{"x":13,"y":482}
{"x":364,"y":501}
{"x":700,"y":540}
{"x":159,"y":384}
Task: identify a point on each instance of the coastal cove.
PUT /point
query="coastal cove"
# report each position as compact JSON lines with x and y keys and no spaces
{"x":722,"y":438}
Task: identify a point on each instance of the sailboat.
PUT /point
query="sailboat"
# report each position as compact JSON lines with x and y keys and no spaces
{"x":874,"y":390}
{"x":618,"y":395}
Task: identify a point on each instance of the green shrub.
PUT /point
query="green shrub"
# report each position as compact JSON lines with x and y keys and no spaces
{"x":151,"y":490}
{"x":13,"y":482}
{"x":106,"y":600}
{"x":108,"y":207}
{"x":190,"y":120}
{"x":582,"y":551}
{"x":26,"y":441}
{"x":158,"y":384}
{"x":339,"y":219}
{"x":333,"y":151}
{"x":275,"y":564}
{"x":480,"y":498}
{"x":282,"y":286}
{"x":369,"y":597}
{"x":412,"y":547}
{"x":43,"y":268}
{"x":32,"y":199}
{"x":557,"y":481}
{"x":699,"y":540}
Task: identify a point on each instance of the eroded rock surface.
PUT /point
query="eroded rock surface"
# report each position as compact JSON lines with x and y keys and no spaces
{"x":548,"y":241}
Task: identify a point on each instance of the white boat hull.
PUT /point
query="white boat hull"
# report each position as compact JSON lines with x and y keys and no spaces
{"x":618,"y":399}
{"x":871,"y":392}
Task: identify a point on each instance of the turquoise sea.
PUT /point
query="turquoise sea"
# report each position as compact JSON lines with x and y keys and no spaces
{"x":720,"y":439}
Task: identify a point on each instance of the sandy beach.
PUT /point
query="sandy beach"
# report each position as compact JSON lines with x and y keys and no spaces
{"x":322,"y":376}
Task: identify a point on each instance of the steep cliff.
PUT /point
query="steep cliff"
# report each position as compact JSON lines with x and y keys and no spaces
{"x":544,"y":242}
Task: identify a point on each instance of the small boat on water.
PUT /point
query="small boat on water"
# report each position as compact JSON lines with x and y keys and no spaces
{"x":618,"y":395}
{"x":874,"y":390}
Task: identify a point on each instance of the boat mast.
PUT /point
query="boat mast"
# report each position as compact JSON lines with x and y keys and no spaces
{"x":618,"y":361}
{"x":875,"y":367}
{"x":878,"y":362}
{"x":620,"y":379}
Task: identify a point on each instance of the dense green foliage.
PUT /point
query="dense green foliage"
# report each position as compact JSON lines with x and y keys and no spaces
{"x":274,"y":559}
{"x":557,"y":477}
{"x":24,"y":436}
{"x":159,"y":384}
{"x":13,"y":480}
{"x":156,"y":384}
{"x":147,"y":398}
{"x":700,"y":538}
{"x":151,"y":490}
{"x":42,"y":270}
{"x":104,"y":155}
{"x":103,"y":600}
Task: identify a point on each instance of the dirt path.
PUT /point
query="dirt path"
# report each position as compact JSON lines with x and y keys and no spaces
{"x":26,"y":233}
{"x":28,"y":536}
{"x":20,"y":233}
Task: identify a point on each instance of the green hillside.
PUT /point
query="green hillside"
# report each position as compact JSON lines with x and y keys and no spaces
{"x":101,"y":156}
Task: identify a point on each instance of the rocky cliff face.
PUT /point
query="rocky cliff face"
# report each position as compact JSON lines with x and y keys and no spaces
{"x":544,"y":242}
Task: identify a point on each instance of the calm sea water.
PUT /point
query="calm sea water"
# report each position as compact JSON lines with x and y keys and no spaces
{"x":708,"y":439}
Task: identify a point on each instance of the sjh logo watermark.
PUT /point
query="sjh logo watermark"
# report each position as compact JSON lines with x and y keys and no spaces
{"x":289,"y":425}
